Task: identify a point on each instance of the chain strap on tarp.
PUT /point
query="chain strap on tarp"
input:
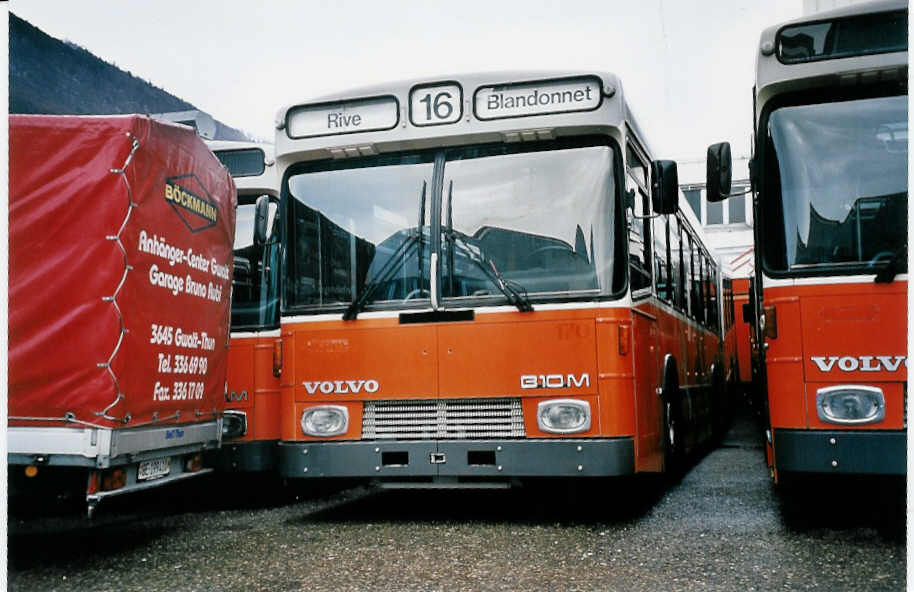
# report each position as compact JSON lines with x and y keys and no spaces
{"x":68,"y":417}
{"x":116,"y":238}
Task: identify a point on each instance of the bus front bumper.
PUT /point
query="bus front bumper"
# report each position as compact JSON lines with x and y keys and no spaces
{"x":872,"y":452}
{"x":492,"y":459}
{"x":257,"y":455}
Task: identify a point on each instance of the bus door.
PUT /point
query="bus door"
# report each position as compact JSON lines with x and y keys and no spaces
{"x":377,"y":255}
{"x":645,"y":323}
{"x":497,"y":367}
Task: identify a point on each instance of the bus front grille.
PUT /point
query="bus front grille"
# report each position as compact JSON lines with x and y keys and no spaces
{"x":460,"y":419}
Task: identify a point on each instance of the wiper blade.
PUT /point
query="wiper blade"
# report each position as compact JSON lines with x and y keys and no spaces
{"x":514,"y":296}
{"x":386,"y":272}
{"x":390,"y":266}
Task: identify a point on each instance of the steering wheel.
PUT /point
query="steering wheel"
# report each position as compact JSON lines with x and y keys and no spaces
{"x":417,"y":293}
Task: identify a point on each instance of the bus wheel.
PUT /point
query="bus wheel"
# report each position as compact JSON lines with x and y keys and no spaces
{"x":720,"y":412}
{"x":672,"y":433}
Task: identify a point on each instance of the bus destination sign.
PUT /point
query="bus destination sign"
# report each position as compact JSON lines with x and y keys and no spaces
{"x":328,"y":119}
{"x":538,"y":98}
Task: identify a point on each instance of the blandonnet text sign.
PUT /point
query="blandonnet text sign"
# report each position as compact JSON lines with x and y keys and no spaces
{"x":537,"y":98}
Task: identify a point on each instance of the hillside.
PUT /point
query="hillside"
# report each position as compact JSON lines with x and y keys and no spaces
{"x":59,"y":78}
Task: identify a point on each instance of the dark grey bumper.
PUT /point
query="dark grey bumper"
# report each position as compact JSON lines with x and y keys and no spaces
{"x":243,"y":456}
{"x":832,"y":451}
{"x":493,"y":459}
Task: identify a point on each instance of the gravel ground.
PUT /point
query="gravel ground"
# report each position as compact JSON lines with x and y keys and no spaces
{"x":720,"y":527}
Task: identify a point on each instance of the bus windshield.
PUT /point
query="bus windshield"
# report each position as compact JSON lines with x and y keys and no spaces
{"x":539,"y":220}
{"x":254,"y":295}
{"x":843,"y":185}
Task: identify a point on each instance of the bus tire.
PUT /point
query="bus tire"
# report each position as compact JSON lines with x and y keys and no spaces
{"x":673,"y":433}
{"x":720,"y":412}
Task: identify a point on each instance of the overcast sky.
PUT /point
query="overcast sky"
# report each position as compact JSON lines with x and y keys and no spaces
{"x":687,"y":66}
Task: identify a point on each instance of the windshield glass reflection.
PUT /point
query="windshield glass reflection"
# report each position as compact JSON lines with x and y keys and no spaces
{"x":255,"y":299}
{"x":347,"y":225}
{"x":541,"y":219}
{"x":843,"y":178}
{"x":514,"y":222}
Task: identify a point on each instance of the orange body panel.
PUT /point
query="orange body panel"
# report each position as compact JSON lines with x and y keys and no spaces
{"x":742,"y":329}
{"x":252,"y":388}
{"x":836,"y":334}
{"x":648,"y":414}
{"x":487,"y":357}
{"x":618,"y":351}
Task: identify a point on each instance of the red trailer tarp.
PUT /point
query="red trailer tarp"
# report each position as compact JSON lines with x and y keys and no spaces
{"x":121,"y":232}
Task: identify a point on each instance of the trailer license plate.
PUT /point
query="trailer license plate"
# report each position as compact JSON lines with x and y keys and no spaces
{"x":153,"y":469}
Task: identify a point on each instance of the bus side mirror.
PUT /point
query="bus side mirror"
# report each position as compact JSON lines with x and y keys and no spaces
{"x":261,"y":213}
{"x":719,"y":175}
{"x":665,"y":187}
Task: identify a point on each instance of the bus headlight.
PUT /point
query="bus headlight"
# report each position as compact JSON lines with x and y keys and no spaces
{"x":325,"y":420}
{"x":563,"y":416}
{"x":234,"y":424}
{"x":850,"y":404}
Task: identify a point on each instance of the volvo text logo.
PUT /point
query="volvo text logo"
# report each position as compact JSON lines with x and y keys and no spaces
{"x":553,"y":381}
{"x":341,"y":387}
{"x":860,"y":363}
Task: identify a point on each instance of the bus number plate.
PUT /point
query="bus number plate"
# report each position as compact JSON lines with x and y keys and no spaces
{"x":434,"y":105}
{"x":153,"y":469}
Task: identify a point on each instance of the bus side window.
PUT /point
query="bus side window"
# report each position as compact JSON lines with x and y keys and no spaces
{"x":694,"y":279}
{"x":708,"y":293}
{"x":702,"y":292}
{"x":706,"y":290}
{"x":675,"y":263}
{"x":684,"y":276}
{"x":639,"y":228}
{"x":703,"y":289}
{"x":670,"y":266}
{"x":714,"y":308}
{"x":661,"y":261}
{"x":687,"y":267}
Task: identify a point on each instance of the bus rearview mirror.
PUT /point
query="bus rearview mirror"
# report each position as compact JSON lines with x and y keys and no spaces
{"x":665,"y":187}
{"x":719,"y":173}
{"x":261,"y":212}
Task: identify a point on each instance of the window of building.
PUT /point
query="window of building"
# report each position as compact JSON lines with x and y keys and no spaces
{"x":736,"y":207}
{"x":733,"y":210}
{"x":715,"y":213}
{"x":693,"y":196}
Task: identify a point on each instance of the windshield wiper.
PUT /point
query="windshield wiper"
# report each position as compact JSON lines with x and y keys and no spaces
{"x":391,"y":265}
{"x":516,"y":297}
{"x":475,"y":254}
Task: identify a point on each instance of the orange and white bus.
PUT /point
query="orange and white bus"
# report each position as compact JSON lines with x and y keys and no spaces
{"x":831,"y":188}
{"x":744,"y":366}
{"x":251,"y":421}
{"x":487,"y":278}
{"x":742,"y":326}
